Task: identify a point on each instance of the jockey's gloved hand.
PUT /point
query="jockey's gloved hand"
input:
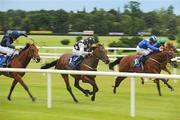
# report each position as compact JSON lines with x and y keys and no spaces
{"x":160,"y":49}
{"x":90,"y":53}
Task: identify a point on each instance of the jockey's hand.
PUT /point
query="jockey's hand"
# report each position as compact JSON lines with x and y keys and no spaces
{"x":160,"y":49}
{"x":90,"y":53}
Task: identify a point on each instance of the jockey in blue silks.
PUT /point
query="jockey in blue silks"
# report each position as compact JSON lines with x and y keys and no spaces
{"x":147,"y":46}
{"x":6,"y":46}
{"x":82,"y":48}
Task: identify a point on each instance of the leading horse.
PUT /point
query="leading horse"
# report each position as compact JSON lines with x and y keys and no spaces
{"x":88,"y":64}
{"x":30,"y":51}
{"x":154,"y":64}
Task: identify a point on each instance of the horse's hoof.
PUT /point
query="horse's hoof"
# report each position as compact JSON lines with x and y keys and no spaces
{"x":114,"y":91}
{"x":172,"y":90}
{"x":33,"y":99}
{"x":76,"y":101}
{"x":92,"y":98}
{"x":87,"y":92}
{"x":9,"y":98}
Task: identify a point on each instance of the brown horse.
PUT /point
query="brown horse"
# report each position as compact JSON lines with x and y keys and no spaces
{"x":154,"y":64}
{"x":21,"y":61}
{"x":88,"y":64}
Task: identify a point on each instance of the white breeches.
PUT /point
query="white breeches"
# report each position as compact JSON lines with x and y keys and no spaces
{"x":143,"y":51}
{"x":6,"y":50}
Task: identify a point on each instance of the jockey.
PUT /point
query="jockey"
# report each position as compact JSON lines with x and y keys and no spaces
{"x":147,"y":46}
{"x":83,"y":48}
{"x":6,"y":46}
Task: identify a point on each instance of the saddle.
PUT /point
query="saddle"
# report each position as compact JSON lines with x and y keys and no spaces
{"x":3,"y":61}
{"x":74,"y":61}
{"x":137,"y":63}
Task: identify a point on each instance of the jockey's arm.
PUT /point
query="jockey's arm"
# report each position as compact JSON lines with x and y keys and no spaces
{"x":153,"y":48}
{"x":81,"y":49}
{"x":8,"y":44}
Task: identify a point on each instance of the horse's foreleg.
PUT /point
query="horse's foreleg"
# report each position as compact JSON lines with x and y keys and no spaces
{"x":87,"y":79}
{"x":158,"y":86}
{"x":66,"y":80}
{"x":166,"y":70}
{"x":76,"y":84}
{"x":11,"y":89}
{"x":167,"y":84}
{"x":142,"y":80}
{"x":117,"y":82}
{"x":18,"y":78}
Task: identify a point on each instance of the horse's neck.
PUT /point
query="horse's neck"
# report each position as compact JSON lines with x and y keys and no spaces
{"x":23,"y":58}
{"x":92,"y":61}
{"x":160,"y":57}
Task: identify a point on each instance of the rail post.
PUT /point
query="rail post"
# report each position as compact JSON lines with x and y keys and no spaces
{"x":49,"y":92}
{"x":132,"y":97}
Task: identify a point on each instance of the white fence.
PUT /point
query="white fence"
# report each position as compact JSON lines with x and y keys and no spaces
{"x":66,"y":48}
{"x":132,"y":83}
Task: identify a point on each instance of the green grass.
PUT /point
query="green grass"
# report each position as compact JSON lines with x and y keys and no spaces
{"x":108,"y":106}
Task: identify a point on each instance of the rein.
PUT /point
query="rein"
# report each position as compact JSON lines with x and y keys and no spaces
{"x":155,"y":61}
{"x":95,"y":69}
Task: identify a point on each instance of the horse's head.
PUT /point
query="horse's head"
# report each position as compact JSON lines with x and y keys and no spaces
{"x":33,"y":52}
{"x":170,"y":47}
{"x":101,"y":53}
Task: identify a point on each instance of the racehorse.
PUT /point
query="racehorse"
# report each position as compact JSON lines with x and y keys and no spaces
{"x":30,"y":51}
{"x":155,"y":63}
{"x":88,"y":64}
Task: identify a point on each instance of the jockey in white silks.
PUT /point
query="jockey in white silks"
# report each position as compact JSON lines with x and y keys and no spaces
{"x":83,"y":48}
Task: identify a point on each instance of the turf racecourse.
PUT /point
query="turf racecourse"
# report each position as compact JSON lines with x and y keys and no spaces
{"x":108,"y":106}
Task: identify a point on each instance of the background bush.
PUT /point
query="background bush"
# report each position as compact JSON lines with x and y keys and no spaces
{"x":65,"y":42}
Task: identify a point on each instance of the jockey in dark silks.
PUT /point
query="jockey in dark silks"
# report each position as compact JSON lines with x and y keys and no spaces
{"x":6,"y":46}
{"x":82,"y":48}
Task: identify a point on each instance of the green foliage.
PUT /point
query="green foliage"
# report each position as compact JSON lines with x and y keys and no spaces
{"x":178,"y":39}
{"x":65,"y":41}
{"x":78,"y":38}
{"x":126,"y":42}
{"x":130,"y":22}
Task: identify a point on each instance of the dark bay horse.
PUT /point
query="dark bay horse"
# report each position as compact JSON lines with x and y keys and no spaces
{"x":30,"y":51}
{"x":88,"y":64}
{"x":154,"y":64}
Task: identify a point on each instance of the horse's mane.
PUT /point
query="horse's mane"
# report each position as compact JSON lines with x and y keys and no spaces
{"x":94,"y":47}
{"x":26,"y":47}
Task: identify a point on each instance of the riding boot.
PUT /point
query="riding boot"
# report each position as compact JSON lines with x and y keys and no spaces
{"x":76,"y":61}
{"x":143,"y":59}
{"x":6,"y":62}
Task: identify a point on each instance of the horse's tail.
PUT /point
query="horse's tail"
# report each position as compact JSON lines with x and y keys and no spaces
{"x":48,"y":65}
{"x":112,"y":64}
